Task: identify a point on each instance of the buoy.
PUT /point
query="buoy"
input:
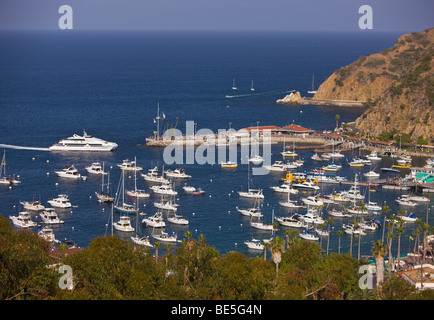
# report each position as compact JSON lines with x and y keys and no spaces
{"x":48,"y":161}
{"x":33,"y":158}
{"x":57,"y":183}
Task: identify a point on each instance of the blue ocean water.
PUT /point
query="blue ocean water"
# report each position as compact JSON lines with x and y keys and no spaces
{"x":54,"y":84}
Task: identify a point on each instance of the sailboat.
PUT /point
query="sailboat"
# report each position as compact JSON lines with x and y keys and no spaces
{"x":136,"y":193}
{"x":260,"y":225}
{"x":104,"y":197}
{"x":3,"y":178}
{"x":233,"y":85}
{"x":252,"y":88}
{"x":123,"y":207}
{"x":313,"y":91}
{"x":142,"y":241}
{"x":251,"y":193}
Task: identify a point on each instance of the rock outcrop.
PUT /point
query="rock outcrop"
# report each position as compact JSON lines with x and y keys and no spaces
{"x":290,"y":98}
{"x":396,"y":85}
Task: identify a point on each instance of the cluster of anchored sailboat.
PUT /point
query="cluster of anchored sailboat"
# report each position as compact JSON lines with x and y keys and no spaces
{"x":349,"y":204}
{"x":166,"y":208}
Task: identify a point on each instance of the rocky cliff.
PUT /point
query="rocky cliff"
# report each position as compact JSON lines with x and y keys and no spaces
{"x":397,"y":86}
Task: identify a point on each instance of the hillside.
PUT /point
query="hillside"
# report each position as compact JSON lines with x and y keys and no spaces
{"x":397,"y":86}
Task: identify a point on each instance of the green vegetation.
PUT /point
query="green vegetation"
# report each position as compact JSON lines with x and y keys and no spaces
{"x":114,"y":269}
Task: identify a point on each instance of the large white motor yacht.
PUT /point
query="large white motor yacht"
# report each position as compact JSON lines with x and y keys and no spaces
{"x":83,"y":143}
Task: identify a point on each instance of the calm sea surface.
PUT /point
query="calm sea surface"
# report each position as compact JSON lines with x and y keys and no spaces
{"x":55,"y":84}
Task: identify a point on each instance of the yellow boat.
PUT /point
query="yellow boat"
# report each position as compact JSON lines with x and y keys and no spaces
{"x":402,"y":166}
{"x":229,"y":164}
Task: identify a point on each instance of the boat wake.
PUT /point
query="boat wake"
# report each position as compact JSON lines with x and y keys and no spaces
{"x":8,"y":146}
{"x":257,"y":94}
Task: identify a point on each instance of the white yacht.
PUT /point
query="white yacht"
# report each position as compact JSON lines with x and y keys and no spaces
{"x":124,"y":224}
{"x":294,"y":221}
{"x":83,"y":143}
{"x":165,"y":236}
{"x":405,"y":201}
{"x":308,"y":235}
{"x":32,"y":205}
{"x":189,"y":189}
{"x":128,"y":165}
{"x":143,"y":241}
{"x":47,"y":234}
{"x":256,"y":159}
{"x":164,"y":189}
{"x":313,"y":201}
{"x":23,"y":220}
{"x":177,"y":219}
{"x":177,"y":173}
{"x":69,"y":172}
{"x":155,"y":221}
{"x":252,"y":193}
{"x":152,"y":176}
{"x":284,"y":188}
{"x":254,"y":244}
{"x":49,"y":216}
{"x":61,"y":201}
{"x":96,"y":168}
{"x":371,"y":174}
{"x":312,"y":217}
{"x":306,"y":185}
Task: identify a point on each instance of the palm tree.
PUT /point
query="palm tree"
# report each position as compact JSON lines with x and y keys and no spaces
{"x":425,"y":228}
{"x":428,"y":196}
{"x":289,"y":233}
{"x":329,"y":221}
{"x":188,"y":235}
{"x":385,"y":210}
{"x":266,"y":245}
{"x":379,"y":252}
{"x":340,"y":234}
{"x":399,"y":230}
{"x":337,"y":117}
{"x":156,"y":245}
{"x":390,"y":237}
{"x":277,"y":245}
{"x":351,"y":242}
{"x":321,"y":227}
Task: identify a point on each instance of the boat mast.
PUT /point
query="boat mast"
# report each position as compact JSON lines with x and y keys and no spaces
{"x":158,"y":120}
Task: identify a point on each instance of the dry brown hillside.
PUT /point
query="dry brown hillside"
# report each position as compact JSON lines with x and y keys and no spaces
{"x":397,"y":85}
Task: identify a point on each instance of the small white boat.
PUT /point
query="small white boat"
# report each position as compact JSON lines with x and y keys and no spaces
{"x":234,"y":87}
{"x":256,"y":159}
{"x":177,"y":219}
{"x":405,"y":201}
{"x":292,"y":204}
{"x":178,"y":173}
{"x":153,"y":176}
{"x":49,"y":216}
{"x":289,"y":153}
{"x":322,"y":233}
{"x":124,"y":224}
{"x":198,"y":192}
{"x":408,"y":218}
{"x":96,"y":168}
{"x":164,"y":189}
{"x":155,"y":221}
{"x":294,"y":221}
{"x":250,"y":212}
{"x":336,"y":154}
{"x":228,"y":164}
{"x":351,"y":229}
{"x":371,"y":174}
{"x":332,"y":167}
{"x":306,"y":185}
{"x":47,"y":234}
{"x":369,"y":225}
{"x":308,"y":235}
{"x":316,"y":157}
{"x":61,"y":201}
{"x":252,"y":193}
{"x":339,"y":213}
{"x":313,"y":201}
{"x":165,"y":236}
{"x":373,"y":156}
{"x":254,"y":244}
{"x":372,"y":206}
{"x":261,"y":225}
{"x":23,"y":220}
{"x":251,"y":87}
{"x":166,"y":205}
{"x":189,"y":189}
{"x":32,"y":205}
{"x":142,"y":241}
{"x":312,"y":217}
{"x":69,"y":172}
{"x":284,"y":188}
{"x":416,"y":198}
{"x":137,"y":193}
{"x":128,"y":165}
{"x":104,"y":197}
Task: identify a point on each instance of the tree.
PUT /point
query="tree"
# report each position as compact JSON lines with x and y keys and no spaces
{"x":277,"y":245}
{"x":399,"y":230}
{"x":156,"y":245}
{"x":337,"y":117}
{"x":340,"y":234}
{"x":385,"y":210}
{"x":379,"y":252}
{"x":329,"y":221}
